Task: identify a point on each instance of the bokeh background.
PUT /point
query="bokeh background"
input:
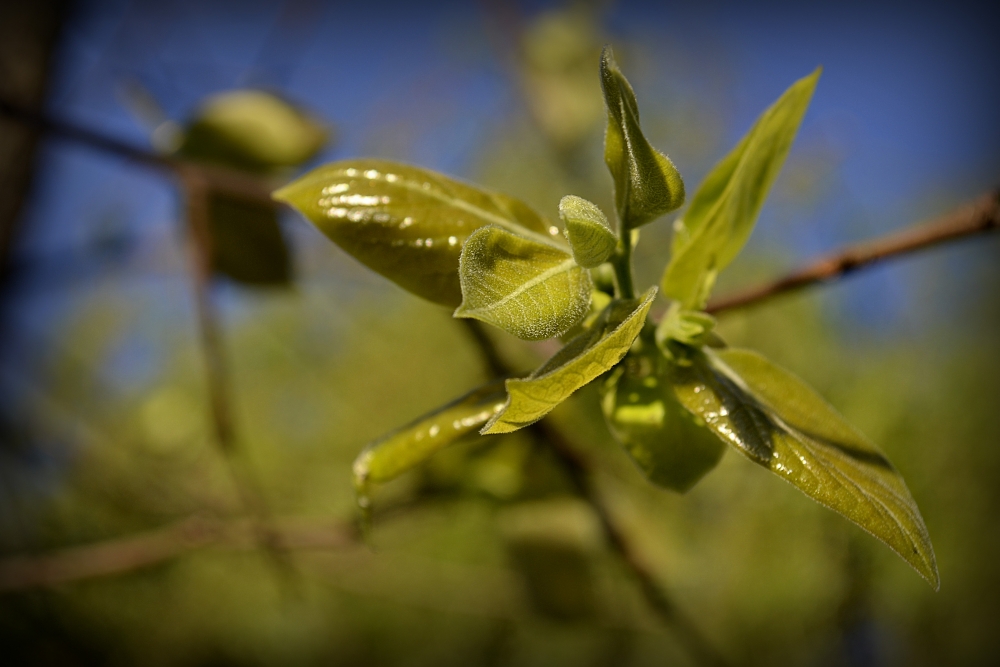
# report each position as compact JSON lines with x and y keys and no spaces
{"x":482,"y":556}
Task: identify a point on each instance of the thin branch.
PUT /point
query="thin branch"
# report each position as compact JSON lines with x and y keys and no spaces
{"x":218,"y":179}
{"x":976,"y":217}
{"x":197,"y":193}
{"x":135,"y":552}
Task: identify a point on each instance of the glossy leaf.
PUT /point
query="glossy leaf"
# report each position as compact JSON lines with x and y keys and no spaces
{"x":530,"y":288}
{"x":725,"y":208}
{"x":672,"y":447}
{"x":777,"y":421}
{"x":590,"y":236}
{"x":647,"y":184}
{"x":397,"y":452}
{"x":589,"y":355}
{"x":406,"y":223}
{"x":252,"y":130}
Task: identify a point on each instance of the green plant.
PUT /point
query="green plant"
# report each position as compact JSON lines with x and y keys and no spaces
{"x":672,"y":393}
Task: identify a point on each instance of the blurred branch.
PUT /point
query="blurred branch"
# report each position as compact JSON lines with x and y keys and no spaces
{"x":217,"y":179}
{"x":135,"y":552}
{"x":197,"y":192}
{"x":976,"y":217}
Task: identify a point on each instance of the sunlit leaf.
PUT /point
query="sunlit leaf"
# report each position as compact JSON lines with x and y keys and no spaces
{"x":588,"y":231}
{"x":779,"y":422}
{"x":397,"y":452}
{"x":647,"y":184}
{"x":672,"y":447}
{"x":247,"y":244}
{"x":252,"y":130}
{"x":725,"y":208}
{"x":691,"y":327}
{"x":407,"y":223}
{"x":530,"y":288}
{"x":583,"y":359}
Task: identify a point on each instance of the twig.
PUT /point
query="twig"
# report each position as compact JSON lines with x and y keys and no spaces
{"x":197,"y":193}
{"x":218,"y":179}
{"x":977,"y":217}
{"x":135,"y":552}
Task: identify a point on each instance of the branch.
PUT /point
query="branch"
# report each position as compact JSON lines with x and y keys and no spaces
{"x":218,"y":179}
{"x":135,"y":552}
{"x":976,"y":217}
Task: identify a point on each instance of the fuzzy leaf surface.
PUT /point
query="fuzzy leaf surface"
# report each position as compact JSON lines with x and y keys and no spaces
{"x":590,"y":236}
{"x":647,"y":184}
{"x":671,"y":446}
{"x":397,"y":452}
{"x":584,"y":358}
{"x":779,"y":422}
{"x":530,"y":288}
{"x":725,"y":208}
{"x":406,"y":223}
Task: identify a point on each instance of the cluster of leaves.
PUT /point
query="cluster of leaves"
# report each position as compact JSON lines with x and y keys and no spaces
{"x":672,"y":393}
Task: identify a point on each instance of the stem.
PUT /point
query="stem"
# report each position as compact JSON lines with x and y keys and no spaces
{"x":622,"y":263}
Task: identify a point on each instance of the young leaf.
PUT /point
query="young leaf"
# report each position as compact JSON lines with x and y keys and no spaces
{"x":779,"y":422}
{"x":583,"y":359}
{"x":647,"y":184}
{"x":588,"y":231}
{"x":672,"y":447}
{"x":725,"y":208}
{"x":247,"y":244}
{"x":397,"y":452}
{"x":533,"y":289}
{"x":407,"y":223}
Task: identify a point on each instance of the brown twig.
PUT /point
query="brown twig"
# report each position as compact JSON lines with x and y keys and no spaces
{"x":135,"y":552}
{"x":977,"y":217}
{"x":218,"y":179}
{"x":197,"y":192}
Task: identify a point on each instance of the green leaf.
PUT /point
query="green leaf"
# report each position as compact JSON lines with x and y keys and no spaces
{"x":690,"y":327}
{"x":583,"y":359}
{"x":406,"y":223}
{"x":725,"y":208}
{"x":530,"y":288}
{"x":647,"y":184}
{"x":779,"y":422}
{"x":247,"y":244}
{"x":672,"y":447}
{"x":397,"y":452}
{"x":252,"y":130}
{"x":590,"y":236}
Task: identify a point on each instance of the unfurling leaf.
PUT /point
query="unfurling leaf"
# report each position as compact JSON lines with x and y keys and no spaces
{"x":589,"y":355}
{"x":647,"y":184}
{"x":397,"y":452}
{"x":588,"y":231}
{"x":253,"y":131}
{"x":530,"y":288}
{"x":690,"y":327}
{"x":670,"y":445}
{"x":725,"y":208}
{"x":406,"y":223}
{"x":779,"y":422}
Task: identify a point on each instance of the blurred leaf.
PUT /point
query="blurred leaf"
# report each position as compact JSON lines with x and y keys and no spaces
{"x":247,"y":243}
{"x":647,"y":184}
{"x":397,"y":452}
{"x":406,"y":223}
{"x":725,"y":208}
{"x":583,"y":359}
{"x":672,"y":447}
{"x":552,"y":543}
{"x":530,"y":288}
{"x":253,"y":131}
{"x":588,"y":231}
{"x":779,"y":422}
